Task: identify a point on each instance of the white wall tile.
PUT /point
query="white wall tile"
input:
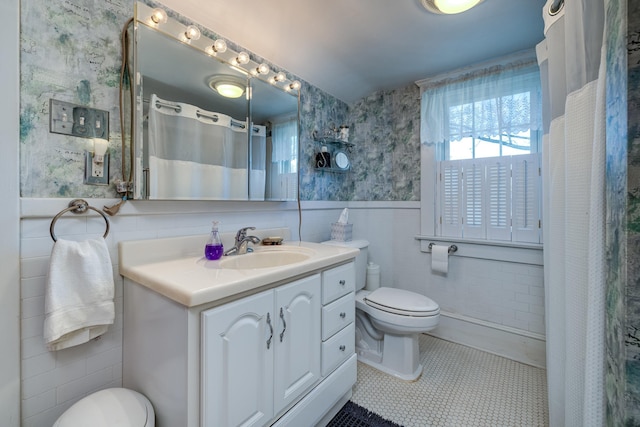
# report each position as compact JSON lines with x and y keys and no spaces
{"x":32,"y":287}
{"x":37,"y":365}
{"x":83,"y":385}
{"x":39,"y":403}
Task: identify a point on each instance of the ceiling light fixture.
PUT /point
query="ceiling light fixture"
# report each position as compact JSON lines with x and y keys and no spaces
{"x":449,"y":6}
{"x":227,"y":86}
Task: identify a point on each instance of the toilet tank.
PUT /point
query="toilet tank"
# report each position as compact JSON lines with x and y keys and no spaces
{"x":361,"y":258}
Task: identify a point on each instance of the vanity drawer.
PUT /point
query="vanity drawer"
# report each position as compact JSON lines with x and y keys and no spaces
{"x":338,"y":348}
{"x":337,"y":315}
{"x":337,"y":282}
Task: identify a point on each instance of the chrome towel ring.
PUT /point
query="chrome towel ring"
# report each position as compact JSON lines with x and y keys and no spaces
{"x":77,"y":206}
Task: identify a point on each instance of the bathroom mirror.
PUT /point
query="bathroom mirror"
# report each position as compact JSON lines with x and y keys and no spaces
{"x":193,"y":143}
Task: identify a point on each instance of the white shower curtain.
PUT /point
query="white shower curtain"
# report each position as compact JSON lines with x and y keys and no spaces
{"x":573,"y":218}
{"x":196,"y":154}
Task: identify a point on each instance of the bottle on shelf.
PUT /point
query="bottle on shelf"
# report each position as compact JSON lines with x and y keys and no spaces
{"x":213,"y":250}
{"x":323,"y":158}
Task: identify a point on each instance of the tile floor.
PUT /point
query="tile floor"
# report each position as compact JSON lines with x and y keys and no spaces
{"x":460,"y":387}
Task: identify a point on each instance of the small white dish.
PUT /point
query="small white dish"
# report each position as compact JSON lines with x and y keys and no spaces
{"x":342,"y":161}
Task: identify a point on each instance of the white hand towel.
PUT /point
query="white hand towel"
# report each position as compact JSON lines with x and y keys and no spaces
{"x":79,"y":294}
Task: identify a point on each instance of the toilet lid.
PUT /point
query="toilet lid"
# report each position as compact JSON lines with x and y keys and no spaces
{"x":399,"y":301}
{"x":109,"y":408}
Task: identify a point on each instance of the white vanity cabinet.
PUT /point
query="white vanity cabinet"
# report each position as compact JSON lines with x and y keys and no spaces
{"x":260,"y":354}
{"x":281,"y":354}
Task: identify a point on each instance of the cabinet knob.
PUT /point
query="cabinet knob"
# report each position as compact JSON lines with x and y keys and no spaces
{"x":343,"y":347}
{"x":343,"y":314}
{"x":342,"y":282}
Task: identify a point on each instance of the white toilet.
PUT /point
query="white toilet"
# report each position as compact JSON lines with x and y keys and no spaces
{"x":112,"y":407}
{"x":389,"y":322}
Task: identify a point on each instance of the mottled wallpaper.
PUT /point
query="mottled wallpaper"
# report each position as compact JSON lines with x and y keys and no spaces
{"x":70,"y":51}
{"x":631,"y":147}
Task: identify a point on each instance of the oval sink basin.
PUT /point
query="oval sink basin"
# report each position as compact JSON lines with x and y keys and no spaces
{"x":266,"y":259}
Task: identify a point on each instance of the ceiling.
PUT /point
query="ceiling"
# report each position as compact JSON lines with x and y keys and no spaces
{"x":352,"y":48}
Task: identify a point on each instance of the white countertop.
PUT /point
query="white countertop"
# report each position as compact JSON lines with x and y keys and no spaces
{"x":177,"y":269}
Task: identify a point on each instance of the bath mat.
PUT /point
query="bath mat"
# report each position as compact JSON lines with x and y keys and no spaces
{"x":352,"y":415}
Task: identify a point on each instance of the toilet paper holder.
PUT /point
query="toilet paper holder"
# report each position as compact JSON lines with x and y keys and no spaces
{"x":452,"y":248}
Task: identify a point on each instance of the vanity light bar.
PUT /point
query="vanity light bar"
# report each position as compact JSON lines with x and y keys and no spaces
{"x":191,"y":35}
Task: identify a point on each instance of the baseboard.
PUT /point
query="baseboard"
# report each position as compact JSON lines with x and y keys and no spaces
{"x":521,"y":346}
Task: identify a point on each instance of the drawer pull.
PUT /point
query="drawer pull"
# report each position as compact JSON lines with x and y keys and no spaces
{"x":342,"y":282}
{"x":343,"y":314}
{"x":343,"y":347}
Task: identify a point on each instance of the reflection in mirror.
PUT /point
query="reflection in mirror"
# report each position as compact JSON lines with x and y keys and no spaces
{"x":191,"y":140}
{"x":275,"y":111}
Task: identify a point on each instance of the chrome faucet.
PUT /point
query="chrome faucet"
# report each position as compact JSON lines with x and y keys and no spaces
{"x":242,"y":242}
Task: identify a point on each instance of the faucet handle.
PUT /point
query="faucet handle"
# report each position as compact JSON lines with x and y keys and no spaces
{"x":242,"y":233}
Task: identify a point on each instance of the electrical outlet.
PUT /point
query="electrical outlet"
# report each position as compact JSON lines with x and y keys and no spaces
{"x":97,"y":170}
{"x":96,"y":173}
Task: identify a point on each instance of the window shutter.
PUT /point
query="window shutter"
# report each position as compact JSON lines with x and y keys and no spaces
{"x":498,"y":193}
{"x":473,"y":202}
{"x":526,"y":193}
{"x":450,"y":198}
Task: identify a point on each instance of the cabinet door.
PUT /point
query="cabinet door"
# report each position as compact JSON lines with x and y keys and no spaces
{"x":297,"y":351}
{"x":237,"y":362}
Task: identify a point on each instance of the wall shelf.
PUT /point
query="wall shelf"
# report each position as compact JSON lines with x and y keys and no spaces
{"x":333,"y":169}
{"x":332,"y":141}
{"x":338,"y":150}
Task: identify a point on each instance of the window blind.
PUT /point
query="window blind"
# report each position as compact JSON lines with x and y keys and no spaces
{"x":495,"y":198}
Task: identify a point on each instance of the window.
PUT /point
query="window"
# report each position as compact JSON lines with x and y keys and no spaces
{"x":483,"y":133}
{"x":283,"y":177}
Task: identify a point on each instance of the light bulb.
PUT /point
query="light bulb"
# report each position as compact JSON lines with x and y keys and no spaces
{"x":242,"y":58}
{"x":280,"y":77}
{"x":158,"y":16}
{"x":218,"y":46}
{"x":263,"y":69}
{"x":455,"y":6}
{"x":192,"y":33}
{"x":294,"y":85}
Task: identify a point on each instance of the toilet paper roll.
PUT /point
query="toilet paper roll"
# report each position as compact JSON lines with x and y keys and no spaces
{"x":440,"y":259}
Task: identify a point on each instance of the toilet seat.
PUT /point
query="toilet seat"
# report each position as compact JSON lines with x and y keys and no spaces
{"x":401,"y":302}
{"x":113,"y":407}
{"x":387,"y":321}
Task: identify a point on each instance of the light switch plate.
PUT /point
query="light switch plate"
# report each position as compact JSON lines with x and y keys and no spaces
{"x":78,"y":120}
